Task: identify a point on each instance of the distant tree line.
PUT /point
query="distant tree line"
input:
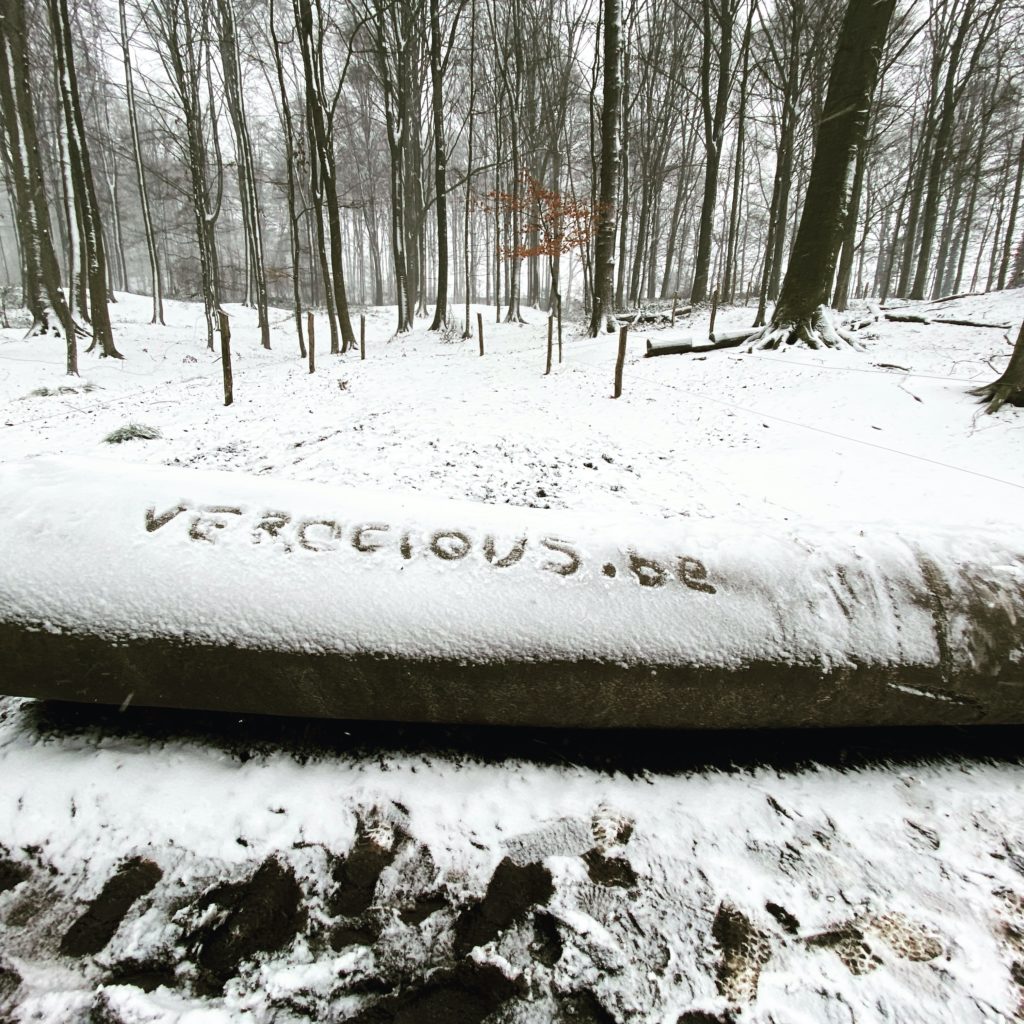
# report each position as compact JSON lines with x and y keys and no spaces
{"x":599,"y":154}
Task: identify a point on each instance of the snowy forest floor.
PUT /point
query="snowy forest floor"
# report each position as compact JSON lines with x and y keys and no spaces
{"x":167,"y":867}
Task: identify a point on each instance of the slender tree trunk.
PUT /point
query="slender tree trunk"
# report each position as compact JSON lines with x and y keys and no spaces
{"x":440,"y":167}
{"x":468,"y":331}
{"x":82,"y":177}
{"x":1011,"y":222}
{"x":714,"y":124}
{"x":937,"y":165}
{"x":289,"y":156}
{"x":322,"y":150}
{"x":19,"y":127}
{"x":140,"y":172}
{"x":842,"y":291}
{"x":604,"y":249}
{"x":248,"y":190}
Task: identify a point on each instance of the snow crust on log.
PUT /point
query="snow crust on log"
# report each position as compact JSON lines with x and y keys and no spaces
{"x":94,"y":546}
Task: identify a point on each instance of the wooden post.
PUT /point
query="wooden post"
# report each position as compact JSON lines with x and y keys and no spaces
{"x":480,"y":330}
{"x":559,"y":300}
{"x":551,"y":330}
{"x":312,"y":341}
{"x":620,"y":361}
{"x":675,"y":302}
{"x":714,"y":312}
{"x":362,"y":335}
{"x":225,"y":356}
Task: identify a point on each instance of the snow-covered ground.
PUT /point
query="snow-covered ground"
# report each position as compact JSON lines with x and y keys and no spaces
{"x":147,"y":876}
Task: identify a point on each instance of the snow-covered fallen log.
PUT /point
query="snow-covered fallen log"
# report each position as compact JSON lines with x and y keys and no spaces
{"x":919,"y":318}
{"x":676,"y":344}
{"x":683,"y":344}
{"x":176,"y":588}
{"x":730,"y":339}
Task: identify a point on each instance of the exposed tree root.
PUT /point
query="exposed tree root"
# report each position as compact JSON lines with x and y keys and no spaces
{"x":817,"y":331}
{"x":998,"y":393}
{"x":1010,"y":386}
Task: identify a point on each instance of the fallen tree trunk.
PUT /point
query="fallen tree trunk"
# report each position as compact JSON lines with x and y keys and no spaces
{"x":648,"y":316}
{"x":917,"y":318}
{"x":970,"y":323}
{"x":221,"y":591}
{"x":676,"y":345}
{"x":729,"y":339}
{"x":907,"y":318}
{"x":684,"y":344}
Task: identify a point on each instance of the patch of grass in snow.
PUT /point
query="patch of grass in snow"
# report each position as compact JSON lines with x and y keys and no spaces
{"x":132,"y":432}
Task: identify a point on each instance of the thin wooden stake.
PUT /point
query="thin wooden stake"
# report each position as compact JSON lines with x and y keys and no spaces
{"x":714,"y":312}
{"x":559,"y":328}
{"x":362,"y":336}
{"x":225,"y":356}
{"x":312,"y":341}
{"x":480,"y":330}
{"x":675,"y":303}
{"x":620,"y":361}
{"x":551,"y":328}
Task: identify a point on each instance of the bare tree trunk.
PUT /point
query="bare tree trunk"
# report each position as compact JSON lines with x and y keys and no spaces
{"x":42,"y":270}
{"x":714,"y":124}
{"x":801,"y":312}
{"x":468,"y":331}
{"x":248,"y":191}
{"x":952,"y":87}
{"x":289,"y":156}
{"x":849,"y":243}
{"x":322,"y":151}
{"x":140,"y":172}
{"x":82,"y":178}
{"x":604,"y":249}
{"x":1011,"y":223}
{"x":440,"y":167}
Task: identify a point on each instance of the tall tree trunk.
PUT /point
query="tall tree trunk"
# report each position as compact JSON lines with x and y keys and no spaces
{"x":248,"y":190}
{"x":714,"y":124}
{"x":468,"y":329}
{"x":842,"y":291}
{"x":1011,"y":223}
{"x":289,"y":156}
{"x":604,"y":248}
{"x":322,"y":151}
{"x":140,"y":172}
{"x":801,"y":312}
{"x":937,"y":164}
{"x":440,"y":165}
{"x":82,"y":178}
{"x":19,"y":127}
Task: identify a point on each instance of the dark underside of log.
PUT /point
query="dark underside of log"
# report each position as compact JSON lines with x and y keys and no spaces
{"x":172,"y":673}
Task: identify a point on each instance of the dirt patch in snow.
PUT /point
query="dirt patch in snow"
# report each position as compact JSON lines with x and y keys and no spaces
{"x":12,"y":873}
{"x":466,"y":995}
{"x":512,"y":891}
{"x":262,"y":914}
{"x":96,"y":927}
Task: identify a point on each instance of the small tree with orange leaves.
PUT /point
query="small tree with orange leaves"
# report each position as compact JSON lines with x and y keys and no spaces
{"x":554,"y":225}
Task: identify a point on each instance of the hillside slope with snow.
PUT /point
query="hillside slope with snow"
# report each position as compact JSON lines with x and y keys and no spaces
{"x":153,"y":870}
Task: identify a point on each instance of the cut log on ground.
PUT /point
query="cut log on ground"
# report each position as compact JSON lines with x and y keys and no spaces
{"x":223,"y":591}
{"x":687,"y":343}
{"x":670,"y":346}
{"x":729,"y":339}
